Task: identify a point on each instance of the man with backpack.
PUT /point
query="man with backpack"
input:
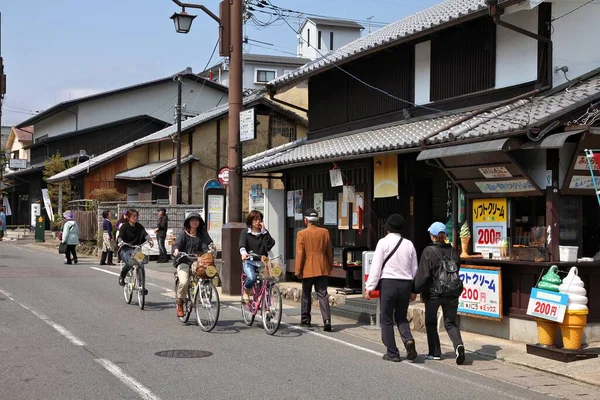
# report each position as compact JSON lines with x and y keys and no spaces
{"x":439,"y":284}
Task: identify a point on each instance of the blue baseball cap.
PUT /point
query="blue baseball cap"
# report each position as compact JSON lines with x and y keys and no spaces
{"x":436,"y":228}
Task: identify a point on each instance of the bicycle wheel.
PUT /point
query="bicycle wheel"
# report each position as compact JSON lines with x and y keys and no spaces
{"x":141,"y":287}
{"x":187,"y":305}
{"x":208,"y":306}
{"x":128,"y":288}
{"x":272,"y":309}
{"x":247,"y":310}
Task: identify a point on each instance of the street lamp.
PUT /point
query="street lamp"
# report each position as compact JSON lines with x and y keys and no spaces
{"x":231,"y":42}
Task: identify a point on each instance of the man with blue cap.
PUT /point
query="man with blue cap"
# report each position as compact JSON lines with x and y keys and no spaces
{"x":438,"y":282}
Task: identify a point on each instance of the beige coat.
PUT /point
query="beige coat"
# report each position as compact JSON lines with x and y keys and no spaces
{"x":314,"y":252}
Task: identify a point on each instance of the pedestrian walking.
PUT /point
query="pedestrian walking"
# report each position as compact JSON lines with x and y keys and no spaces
{"x":314,"y":262}
{"x":70,"y":236}
{"x":439,"y":284}
{"x":392,"y":270}
{"x":2,"y":222}
{"x":108,"y":240}
{"x":161,"y":234}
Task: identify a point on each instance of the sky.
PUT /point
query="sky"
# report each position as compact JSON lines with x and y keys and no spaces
{"x":55,"y":51}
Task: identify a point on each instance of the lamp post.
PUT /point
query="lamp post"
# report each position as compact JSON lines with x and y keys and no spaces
{"x":231,"y":40}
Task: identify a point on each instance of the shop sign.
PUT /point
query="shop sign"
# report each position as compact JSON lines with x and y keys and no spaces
{"x":582,"y":164}
{"x":482,"y":292}
{"x":515,"y":185}
{"x":495,"y":172}
{"x":490,"y":218}
{"x":583,"y":182}
{"x":16,"y":163}
{"x":247,"y":125}
{"x":223,"y":176}
{"x":547,"y":305}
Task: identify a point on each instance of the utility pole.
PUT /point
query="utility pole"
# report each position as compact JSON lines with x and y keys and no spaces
{"x":178,"y":166}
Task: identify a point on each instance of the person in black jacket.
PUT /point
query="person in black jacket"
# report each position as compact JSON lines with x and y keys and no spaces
{"x":255,"y":240}
{"x":194,"y":240}
{"x":161,"y":234}
{"x":427,"y":272}
{"x":132,"y":233}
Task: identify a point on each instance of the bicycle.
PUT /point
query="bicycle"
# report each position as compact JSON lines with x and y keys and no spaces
{"x":202,"y":294}
{"x":136,"y":277}
{"x":266,"y":294}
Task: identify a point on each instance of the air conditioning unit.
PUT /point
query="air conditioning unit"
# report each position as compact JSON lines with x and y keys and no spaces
{"x":172,"y":195}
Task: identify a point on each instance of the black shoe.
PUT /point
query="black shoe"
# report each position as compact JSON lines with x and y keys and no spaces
{"x":411,"y":351}
{"x":121,"y":281}
{"x":460,"y":354}
{"x":305,"y":324}
{"x":390,"y":358}
{"x":75,"y":261}
{"x":327,"y":326}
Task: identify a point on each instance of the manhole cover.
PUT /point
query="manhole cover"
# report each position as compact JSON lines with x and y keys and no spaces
{"x":183,"y":353}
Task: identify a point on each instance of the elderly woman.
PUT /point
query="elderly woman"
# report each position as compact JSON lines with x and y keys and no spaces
{"x":108,"y":238}
{"x":394,"y":267}
{"x":70,"y":236}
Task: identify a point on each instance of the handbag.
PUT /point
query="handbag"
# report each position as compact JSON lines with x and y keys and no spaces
{"x":62,"y":247}
{"x":378,"y":287}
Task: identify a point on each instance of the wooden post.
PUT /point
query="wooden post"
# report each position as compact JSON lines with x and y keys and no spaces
{"x":552,"y":204}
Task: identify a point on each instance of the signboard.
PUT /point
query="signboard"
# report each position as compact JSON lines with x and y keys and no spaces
{"x":223,"y":176}
{"x":47,"y":204}
{"x":582,"y":165}
{"x":490,"y":218}
{"x":547,"y":305}
{"x":509,"y":186}
{"x":36,"y":211}
{"x":247,"y":125}
{"x":16,"y":163}
{"x":482,"y":292}
{"x":495,"y":172}
{"x":583,"y":182}
{"x":367,"y":260}
{"x":330,"y":212}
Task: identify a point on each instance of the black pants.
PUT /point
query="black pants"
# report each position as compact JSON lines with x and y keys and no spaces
{"x":449,"y":308}
{"x":320,"y":284}
{"x":71,"y":254}
{"x":395,"y":296}
{"x":162,"y":250}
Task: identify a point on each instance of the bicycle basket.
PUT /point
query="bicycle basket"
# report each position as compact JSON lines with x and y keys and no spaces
{"x":139,"y":256}
{"x":204,"y":267}
{"x":272,"y":269}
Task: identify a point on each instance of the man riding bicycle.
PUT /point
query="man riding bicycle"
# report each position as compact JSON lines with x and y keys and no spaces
{"x":131,"y":234}
{"x":193,"y":240}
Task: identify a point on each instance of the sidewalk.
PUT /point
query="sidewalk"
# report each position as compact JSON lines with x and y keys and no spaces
{"x":346,"y":318}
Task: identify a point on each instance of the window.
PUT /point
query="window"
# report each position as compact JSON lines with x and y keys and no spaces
{"x":264,"y":75}
{"x":330,"y":40}
{"x":319,"y":40}
{"x":281,"y":126}
{"x":308,"y":37}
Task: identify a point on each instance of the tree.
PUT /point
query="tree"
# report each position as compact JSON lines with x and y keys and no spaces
{"x":54,"y":165}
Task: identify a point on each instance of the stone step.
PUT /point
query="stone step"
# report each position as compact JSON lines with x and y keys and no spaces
{"x":359,"y":314}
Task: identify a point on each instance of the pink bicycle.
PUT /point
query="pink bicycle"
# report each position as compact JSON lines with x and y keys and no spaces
{"x":266,"y":294}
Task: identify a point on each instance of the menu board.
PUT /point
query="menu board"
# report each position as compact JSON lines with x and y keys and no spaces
{"x":482,"y":292}
{"x":490,"y":218}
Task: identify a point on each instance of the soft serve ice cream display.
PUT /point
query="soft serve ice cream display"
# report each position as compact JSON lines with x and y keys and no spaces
{"x":546,"y":328}
{"x":577,"y":310}
{"x":465,"y":237}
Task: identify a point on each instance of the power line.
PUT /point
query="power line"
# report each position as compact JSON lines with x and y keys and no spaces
{"x":572,"y":11}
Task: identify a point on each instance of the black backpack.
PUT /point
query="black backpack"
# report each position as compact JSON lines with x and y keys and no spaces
{"x":446,"y":282}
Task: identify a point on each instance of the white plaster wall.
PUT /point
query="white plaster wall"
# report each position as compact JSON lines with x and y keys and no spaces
{"x":157,"y":101}
{"x":57,"y":124}
{"x":575,"y":39}
{"x":516,"y":54}
{"x":341,"y":37}
{"x":306,"y":50}
{"x":422,"y":72}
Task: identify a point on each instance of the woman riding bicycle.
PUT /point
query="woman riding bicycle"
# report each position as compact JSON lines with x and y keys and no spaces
{"x":255,"y":240}
{"x":194,"y":240}
{"x":133,"y":234}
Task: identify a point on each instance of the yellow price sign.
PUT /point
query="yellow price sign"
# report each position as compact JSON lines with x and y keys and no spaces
{"x":490,"y":210}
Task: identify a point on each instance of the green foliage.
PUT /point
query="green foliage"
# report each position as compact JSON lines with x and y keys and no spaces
{"x":104,"y":194}
{"x":54,"y":165}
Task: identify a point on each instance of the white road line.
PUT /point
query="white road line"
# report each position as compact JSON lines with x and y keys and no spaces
{"x":147,"y":283}
{"x":134,"y":385}
{"x":376,"y":353}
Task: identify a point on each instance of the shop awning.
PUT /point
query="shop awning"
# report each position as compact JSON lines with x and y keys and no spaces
{"x":152,"y":170}
{"x":469,"y":148}
{"x":555,"y":141}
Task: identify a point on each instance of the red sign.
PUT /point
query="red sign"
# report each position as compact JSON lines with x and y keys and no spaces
{"x":224,"y":176}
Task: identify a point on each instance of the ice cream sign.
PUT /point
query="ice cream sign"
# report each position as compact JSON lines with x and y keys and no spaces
{"x":547,"y":305}
{"x":489,"y":223}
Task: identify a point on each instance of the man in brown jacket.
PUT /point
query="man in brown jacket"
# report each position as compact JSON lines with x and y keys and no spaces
{"x":314,"y":262}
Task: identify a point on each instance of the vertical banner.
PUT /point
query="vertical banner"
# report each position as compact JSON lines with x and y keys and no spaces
{"x":290,"y":203}
{"x":298,"y":205}
{"x":48,"y":204}
{"x":343,"y":217}
{"x":318,"y":203}
{"x":358,"y":208}
{"x":385,"y":176}
{"x":490,"y":218}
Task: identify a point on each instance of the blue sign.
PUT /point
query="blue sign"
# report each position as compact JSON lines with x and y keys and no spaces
{"x":482,"y":292}
{"x":212,"y":184}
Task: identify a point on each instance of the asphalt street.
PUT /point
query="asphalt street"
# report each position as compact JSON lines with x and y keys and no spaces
{"x":67,"y":333}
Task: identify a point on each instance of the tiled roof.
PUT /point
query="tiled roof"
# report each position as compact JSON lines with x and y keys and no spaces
{"x":407,"y":135}
{"x":37,"y":167}
{"x":24,"y":134}
{"x":428,"y":19}
{"x":335,"y":22}
{"x":152,"y":170}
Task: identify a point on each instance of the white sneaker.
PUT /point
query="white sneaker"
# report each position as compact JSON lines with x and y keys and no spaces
{"x":430,"y":357}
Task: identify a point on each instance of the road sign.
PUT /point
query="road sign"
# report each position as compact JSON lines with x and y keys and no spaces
{"x":223,"y":176}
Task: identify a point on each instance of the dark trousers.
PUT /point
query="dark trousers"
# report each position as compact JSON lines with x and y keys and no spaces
{"x":71,"y":254}
{"x":162,"y":250}
{"x":394,"y":297}
{"x":320,"y":284}
{"x":449,"y":308}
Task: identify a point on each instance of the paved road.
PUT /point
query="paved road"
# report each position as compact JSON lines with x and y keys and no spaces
{"x":66,"y":333}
